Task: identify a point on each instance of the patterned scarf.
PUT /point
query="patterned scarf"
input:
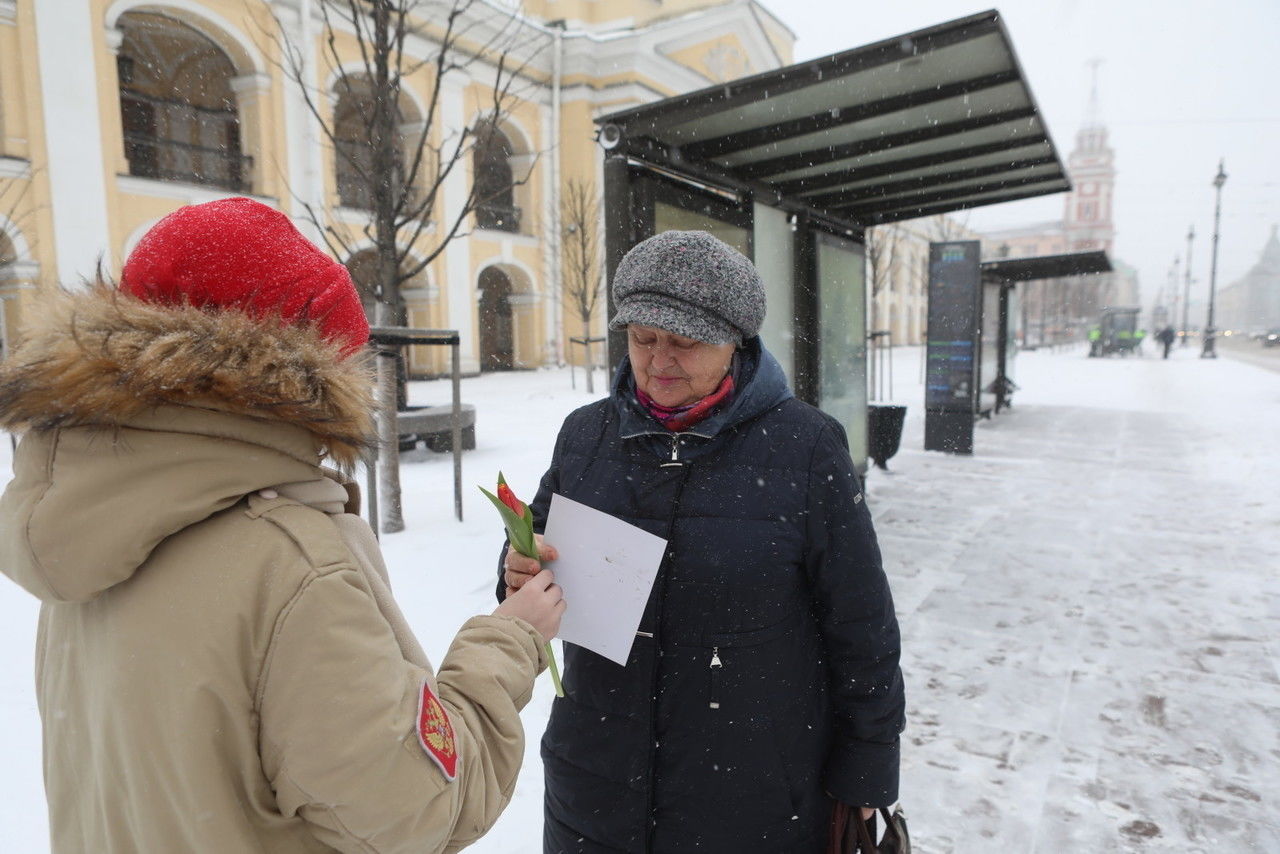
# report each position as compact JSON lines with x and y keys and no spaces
{"x":677,"y":418}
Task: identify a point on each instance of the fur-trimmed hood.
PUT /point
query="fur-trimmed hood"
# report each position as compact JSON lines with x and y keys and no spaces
{"x":100,"y":357}
{"x":143,"y":420}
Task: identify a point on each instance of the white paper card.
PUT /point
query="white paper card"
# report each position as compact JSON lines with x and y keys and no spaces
{"x":606,"y":568}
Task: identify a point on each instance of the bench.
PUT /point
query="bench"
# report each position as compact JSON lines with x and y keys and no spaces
{"x":433,"y":425}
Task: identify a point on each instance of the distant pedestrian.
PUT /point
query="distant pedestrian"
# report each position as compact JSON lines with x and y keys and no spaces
{"x":220,"y":663}
{"x":1166,"y":337}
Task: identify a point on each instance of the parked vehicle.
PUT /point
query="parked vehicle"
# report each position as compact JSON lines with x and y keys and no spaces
{"x":1117,"y":332}
{"x":1271,"y":338}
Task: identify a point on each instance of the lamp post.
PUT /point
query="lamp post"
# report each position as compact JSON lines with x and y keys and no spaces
{"x":1218,"y":180}
{"x":1186,"y":293}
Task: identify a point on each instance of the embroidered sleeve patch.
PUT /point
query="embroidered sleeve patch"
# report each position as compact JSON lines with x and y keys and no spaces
{"x":435,"y":733}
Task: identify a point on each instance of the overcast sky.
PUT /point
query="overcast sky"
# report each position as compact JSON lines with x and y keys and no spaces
{"x":1182,"y":83}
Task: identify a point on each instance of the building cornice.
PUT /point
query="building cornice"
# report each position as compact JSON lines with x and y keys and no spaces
{"x":192,"y":194}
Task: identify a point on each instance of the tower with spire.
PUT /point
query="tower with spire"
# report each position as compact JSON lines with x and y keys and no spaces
{"x":1087,"y":219}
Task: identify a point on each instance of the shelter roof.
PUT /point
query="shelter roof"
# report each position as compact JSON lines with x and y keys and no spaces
{"x":1046,"y":266}
{"x":931,"y":121}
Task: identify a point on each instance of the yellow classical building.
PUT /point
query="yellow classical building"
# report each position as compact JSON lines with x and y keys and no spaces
{"x":115,"y":112}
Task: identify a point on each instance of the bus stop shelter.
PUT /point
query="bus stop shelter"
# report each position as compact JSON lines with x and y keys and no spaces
{"x":792,"y":165}
{"x":973,"y":334}
{"x":1001,"y":322}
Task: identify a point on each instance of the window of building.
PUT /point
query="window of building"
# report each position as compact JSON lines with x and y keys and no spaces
{"x":354,"y":145}
{"x":494,"y":180}
{"x":177,"y":106}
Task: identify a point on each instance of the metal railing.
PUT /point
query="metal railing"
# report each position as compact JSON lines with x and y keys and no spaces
{"x":351,"y":157}
{"x":167,"y":159}
{"x":498,"y":217}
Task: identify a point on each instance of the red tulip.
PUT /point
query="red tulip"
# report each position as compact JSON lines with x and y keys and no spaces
{"x":509,"y":498}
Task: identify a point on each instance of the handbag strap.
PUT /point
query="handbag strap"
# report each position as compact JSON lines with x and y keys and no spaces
{"x":895,"y":832}
{"x":866,"y":832}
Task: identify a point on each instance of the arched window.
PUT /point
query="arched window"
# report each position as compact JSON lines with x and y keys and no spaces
{"x":494,"y":182}
{"x":354,"y":145}
{"x":497,"y":338}
{"x":177,"y":105}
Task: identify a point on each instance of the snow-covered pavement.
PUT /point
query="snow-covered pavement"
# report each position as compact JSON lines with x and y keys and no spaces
{"x":1090,"y":611}
{"x":1090,"y":607}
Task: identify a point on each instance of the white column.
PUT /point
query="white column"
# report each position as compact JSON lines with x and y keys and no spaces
{"x":302,"y":136}
{"x":457,"y":255}
{"x":552,"y":290}
{"x":65,"y":34}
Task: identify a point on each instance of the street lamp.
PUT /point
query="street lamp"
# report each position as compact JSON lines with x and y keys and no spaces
{"x":1186,"y":293}
{"x":1218,"y":180}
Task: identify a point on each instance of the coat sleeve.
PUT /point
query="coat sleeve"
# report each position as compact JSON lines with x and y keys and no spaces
{"x":859,"y":630}
{"x":340,"y":708}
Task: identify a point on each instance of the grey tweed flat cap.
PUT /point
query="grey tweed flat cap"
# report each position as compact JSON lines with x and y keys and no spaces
{"x":691,"y":284}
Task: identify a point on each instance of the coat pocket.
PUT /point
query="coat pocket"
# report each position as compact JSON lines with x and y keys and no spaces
{"x":735,"y":649}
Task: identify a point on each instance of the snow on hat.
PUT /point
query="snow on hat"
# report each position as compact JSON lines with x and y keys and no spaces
{"x":691,"y":284}
{"x":240,"y":254}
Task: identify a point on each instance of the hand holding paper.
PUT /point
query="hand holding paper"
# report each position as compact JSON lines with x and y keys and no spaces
{"x":606,"y":568}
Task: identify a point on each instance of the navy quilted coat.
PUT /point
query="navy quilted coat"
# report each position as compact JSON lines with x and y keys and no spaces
{"x":764,"y":678}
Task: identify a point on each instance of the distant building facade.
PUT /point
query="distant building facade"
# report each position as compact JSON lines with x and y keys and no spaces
{"x":1252,"y":303}
{"x":113,"y":113}
{"x":897,"y":256}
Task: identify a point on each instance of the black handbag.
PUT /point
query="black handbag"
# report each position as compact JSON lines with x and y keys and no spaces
{"x":851,"y":835}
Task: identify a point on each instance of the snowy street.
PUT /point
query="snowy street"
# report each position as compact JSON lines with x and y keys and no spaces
{"x":1089,"y":603}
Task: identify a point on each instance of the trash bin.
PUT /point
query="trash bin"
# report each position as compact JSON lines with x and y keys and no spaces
{"x":884,"y":431}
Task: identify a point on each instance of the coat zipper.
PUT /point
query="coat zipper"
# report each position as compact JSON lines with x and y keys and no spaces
{"x":716,"y":666}
{"x":657,"y":652}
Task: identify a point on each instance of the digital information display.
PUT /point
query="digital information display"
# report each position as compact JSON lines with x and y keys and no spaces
{"x":951,"y":375}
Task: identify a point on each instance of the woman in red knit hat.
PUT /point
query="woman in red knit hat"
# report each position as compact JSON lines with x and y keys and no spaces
{"x":221,"y":666}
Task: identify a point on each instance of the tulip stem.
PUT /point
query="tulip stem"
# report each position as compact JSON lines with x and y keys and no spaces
{"x":555,"y":670}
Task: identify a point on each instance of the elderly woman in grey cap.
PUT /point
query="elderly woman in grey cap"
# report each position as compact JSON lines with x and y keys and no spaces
{"x":763,"y":695}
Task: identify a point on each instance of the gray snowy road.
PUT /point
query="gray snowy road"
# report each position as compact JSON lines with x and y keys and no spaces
{"x":1090,"y":613}
{"x":1248,"y":350}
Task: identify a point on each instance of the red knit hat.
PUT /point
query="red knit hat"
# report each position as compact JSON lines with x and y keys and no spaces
{"x":240,"y":254}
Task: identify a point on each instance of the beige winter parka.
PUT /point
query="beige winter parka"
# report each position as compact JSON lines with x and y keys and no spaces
{"x":220,"y":664}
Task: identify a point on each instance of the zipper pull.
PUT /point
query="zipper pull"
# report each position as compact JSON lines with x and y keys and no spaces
{"x":675,"y":453}
{"x":715,"y":657}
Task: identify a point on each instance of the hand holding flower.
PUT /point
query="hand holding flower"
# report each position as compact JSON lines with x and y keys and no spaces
{"x":526,"y":546}
{"x":517,"y":568}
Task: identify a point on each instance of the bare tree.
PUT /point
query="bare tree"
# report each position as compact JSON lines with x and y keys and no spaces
{"x":580,"y":218}
{"x":397,"y":169}
{"x":883,"y":260}
{"x":944,"y":227}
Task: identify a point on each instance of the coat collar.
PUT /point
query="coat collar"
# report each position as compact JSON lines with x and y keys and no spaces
{"x":761,"y":386}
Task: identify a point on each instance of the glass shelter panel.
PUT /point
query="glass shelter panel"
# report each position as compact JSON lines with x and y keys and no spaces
{"x":775,"y":259}
{"x":988,"y":348}
{"x":842,"y":364}
{"x":668,"y":217}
